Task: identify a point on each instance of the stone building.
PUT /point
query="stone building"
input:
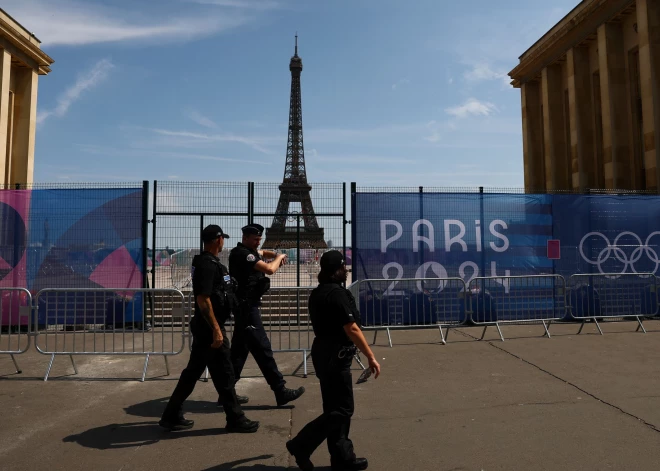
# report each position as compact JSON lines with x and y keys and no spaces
{"x":591,"y":99}
{"x":21,"y":63}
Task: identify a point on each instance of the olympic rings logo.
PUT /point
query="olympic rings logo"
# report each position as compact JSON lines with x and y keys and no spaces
{"x":620,"y":254}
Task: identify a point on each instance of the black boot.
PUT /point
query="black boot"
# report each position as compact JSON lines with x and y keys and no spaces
{"x":357,"y":464}
{"x":286,"y":395}
{"x":302,"y":461}
{"x":242,"y":425}
{"x":241,"y":400}
{"x":176,"y":423}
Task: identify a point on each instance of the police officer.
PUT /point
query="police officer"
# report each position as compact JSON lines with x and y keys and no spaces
{"x":214,"y":295}
{"x":335,"y":319}
{"x":247,"y":265}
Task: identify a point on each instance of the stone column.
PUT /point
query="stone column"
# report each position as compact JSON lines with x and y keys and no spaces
{"x":617,"y":153}
{"x":581,"y":113}
{"x":5,"y":74}
{"x":533,"y":137}
{"x":556,"y":161}
{"x":648,"y":30}
{"x":24,"y":126}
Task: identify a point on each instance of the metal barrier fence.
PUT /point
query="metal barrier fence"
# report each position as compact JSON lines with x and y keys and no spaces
{"x":285,"y":318}
{"x":109,"y":322}
{"x":612,"y":295}
{"x":411,"y":303}
{"x":15,"y":322}
{"x":515,"y":299}
{"x":156,"y":321}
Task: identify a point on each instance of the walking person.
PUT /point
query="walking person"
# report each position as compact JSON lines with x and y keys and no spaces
{"x":335,"y":319}
{"x":248,"y":267}
{"x":214,"y":295}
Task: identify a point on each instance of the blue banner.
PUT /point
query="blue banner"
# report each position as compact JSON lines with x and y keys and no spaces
{"x":439,"y":235}
{"x":607,"y":234}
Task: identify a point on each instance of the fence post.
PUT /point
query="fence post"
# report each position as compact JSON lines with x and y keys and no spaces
{"x":201,"y":228}
{"x":345,"y":221}
{"x":145,"y":230}
{"x":250,"y":202}
{"x":298,"y":269}
{"x":481,"y":232}
{"x":145,"y":248}
{"x":153,"y":238}
{"x":353,"y":233}
{"x":420,"y":244}
{"x":15,"y":257}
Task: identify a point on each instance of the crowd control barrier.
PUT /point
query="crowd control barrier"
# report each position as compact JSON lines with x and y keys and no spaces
{"x":108,"y":322}
{"x":493,"y":301}
{"x":596,"y":297}
{"x":15,"y":322}
{"x":411,"y":303}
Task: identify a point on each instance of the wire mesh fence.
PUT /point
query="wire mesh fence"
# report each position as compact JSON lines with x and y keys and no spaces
{"x":302,"y":225}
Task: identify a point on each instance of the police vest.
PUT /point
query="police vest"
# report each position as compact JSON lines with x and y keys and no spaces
{"x":223,"y":295}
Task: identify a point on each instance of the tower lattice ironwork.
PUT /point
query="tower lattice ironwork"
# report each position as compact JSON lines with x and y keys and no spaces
{"x":294,"y":187}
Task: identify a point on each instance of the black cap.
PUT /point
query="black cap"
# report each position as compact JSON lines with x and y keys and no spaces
{"x":212,"y":232}
{"x":254,"y":229}
{"x":332,"y":260}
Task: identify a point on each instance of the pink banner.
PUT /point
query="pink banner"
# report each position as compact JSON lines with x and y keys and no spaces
{"x":14,"y":208}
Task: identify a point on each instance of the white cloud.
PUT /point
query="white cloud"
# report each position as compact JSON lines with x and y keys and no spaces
{"x":138,"y":152}
{"x":436,"y":134}
{"x":202,"y":120}
{"x":483,"y":71}
{"x":86,"y":81}
{"x":255,"y":142}
{"x":472,"y":107}
{"x":377,"y":134}
{"x":399,"y":83}
{"x":74,"y":22}
{"x":246,"y":4}
{"x":362,"y":159}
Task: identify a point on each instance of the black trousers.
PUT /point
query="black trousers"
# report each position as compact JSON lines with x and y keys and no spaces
{"x":250,"y":337}
{"x":335,"y":423}
{"x":218,"y":361}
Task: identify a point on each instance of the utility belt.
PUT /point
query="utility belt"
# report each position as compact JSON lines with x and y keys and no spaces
{"x":259,"y":287}
{"x":347,"y":352}
{"x":255,"y":289}
{"x":334,"y":350}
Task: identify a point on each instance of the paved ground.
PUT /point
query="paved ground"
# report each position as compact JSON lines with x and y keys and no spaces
{"x":586,"y":402}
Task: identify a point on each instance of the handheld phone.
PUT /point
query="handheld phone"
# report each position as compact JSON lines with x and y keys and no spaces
{"x":364,"y":376}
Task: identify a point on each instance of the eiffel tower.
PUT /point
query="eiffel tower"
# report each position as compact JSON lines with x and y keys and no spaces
{"x":294,"y":188}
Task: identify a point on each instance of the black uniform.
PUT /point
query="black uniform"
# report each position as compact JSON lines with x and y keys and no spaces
{"x":331,"y":307}
{"x":211,"y":278}
{"x":249,"y":334}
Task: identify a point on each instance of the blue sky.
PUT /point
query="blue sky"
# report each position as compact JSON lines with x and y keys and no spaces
{"x":394,"y":92}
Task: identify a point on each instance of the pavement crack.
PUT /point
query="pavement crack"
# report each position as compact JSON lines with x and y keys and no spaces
{"x":289,"y":457}
{"x":584,"y":391}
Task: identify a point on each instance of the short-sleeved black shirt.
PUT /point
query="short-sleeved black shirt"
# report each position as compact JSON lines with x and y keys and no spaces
{"x":241,"y":266}
{"x":208,"y":276}
{"x":331,"y":307}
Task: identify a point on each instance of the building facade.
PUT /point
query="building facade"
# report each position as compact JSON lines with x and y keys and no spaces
{"x":590,"y":92}
{"x":21,"y":63}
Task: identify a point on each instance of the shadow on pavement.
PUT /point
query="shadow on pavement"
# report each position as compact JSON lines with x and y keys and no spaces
{"x":130,"y":435}
{"x":155,"y":407}
{"x":236,"y":465}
